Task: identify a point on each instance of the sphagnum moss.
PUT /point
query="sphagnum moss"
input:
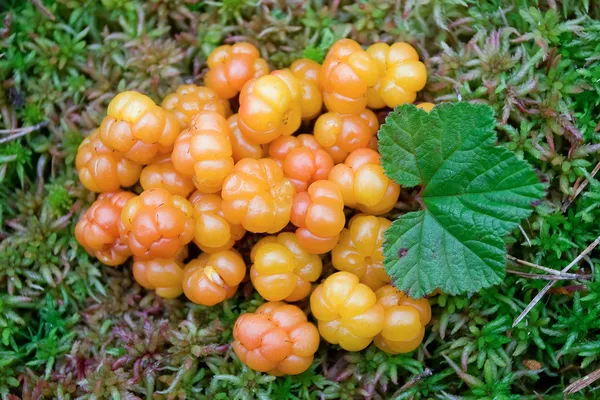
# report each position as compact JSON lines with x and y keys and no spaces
{"x":73,"y":329}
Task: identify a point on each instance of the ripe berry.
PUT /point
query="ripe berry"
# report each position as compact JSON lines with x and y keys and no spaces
{"x":404,"y":323}
{"x":230,"y":67}
{"x":212,"y":231}
{"x":98,"y":229}
{"x":282,"y":269}
{"x":137,"y":127}
{"x":156,"y":224}
{"x":270,"y":107}
{"x":162,"y":275}
{"x":189,"y":100}
{"x":258,"y":196}
{"x":319,"y":215}
{"x":307,"y":71}
{"x":426,"y":106}
{"x":347,"y":73}
{"x":303,"y":160}
{"x":401,"y":75}
{"x":363,"y":183}
{"x":240,"y":145}
{"x":347,"y":311}
{"x":341,"y":134}
{"x":277,"y":339}
{"x":212,"y":278}
{"x":162,"y":174}
{"x":203,"y":151}
{"x":359,"y":250}
{"x":101,"y":169}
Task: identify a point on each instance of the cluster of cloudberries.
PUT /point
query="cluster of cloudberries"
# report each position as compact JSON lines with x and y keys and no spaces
{"x":208,"y":176}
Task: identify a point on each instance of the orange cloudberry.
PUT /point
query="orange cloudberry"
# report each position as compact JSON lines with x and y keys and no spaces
{"x":231,"y":66}
{"x":347,"y":311}
{"x":360,"y":250}
{"x":212,"y":231}
{"x":212,"y":278}
{"x":277,"y":339}
{"x":137,"y":127}
{"x":189,"y":100}
{"x":270,"y":107}
{"x":282,"y":269}
{"x":401,"y":75}
{"x":204,"y":152}
{"x":363,"y":183}
{"x":319,"y":215}
{"x":101,"y":169}
{"x":258,"y":196}
{"x":303,"y":160}
{"x":404,"y":323}
{"x":157,"y":224}
{"x":98,"y":228}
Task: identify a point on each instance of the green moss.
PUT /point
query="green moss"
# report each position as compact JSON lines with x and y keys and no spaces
{"x":74,"y":329}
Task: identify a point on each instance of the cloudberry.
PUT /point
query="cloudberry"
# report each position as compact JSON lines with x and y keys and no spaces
{"x":162,"y":174}
{"x":137,"y":127}
{"x":404,"y":323}
{"x":282,"y":269}
{"x":98,"y":229}
{"x":270,"y":107}
{"x":258,"y":196}
{"x":189,"y":100}
{"x":401,"y":75}
{"x":101,"y":169}
{"x":203,"y":151}
{"x":156,"y":224}
{"x":303,"y":160}
{"x":311,"y":101}
{"x":230,"y":67}
{"x":319,"y":215}
{"x":341,"y":134}
{"x":426,"y":106}
{"x":212,"y":231}
{"x":347,"y":311}
{"x":240,"y":145}
{"x":363,"y":183}
{"x":161,"y":275}
{"x":347,"y":72}
{"x":212,"y":278}
{"x":359,"y":250}
{"x":277,"y":339}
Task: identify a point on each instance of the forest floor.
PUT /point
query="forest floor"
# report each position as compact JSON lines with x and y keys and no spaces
{"x":71,"y":328}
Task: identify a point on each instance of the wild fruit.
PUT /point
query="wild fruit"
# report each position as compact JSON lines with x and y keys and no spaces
{"x":98,"y":229}
{"x":156,"y":224}
{"x":203,"y":152}
{"x":189,"y":100}
{"x":319,"y":215}
{"x":231,"y":66}
{"x":360,"y":250}
{"x":282,"y":269}
{"x":277,"y":339}
{"x":212,"y":278}
{"x":347,"y":311}
{"x":212,"y":232}
{"x":101,"y":169}
{"x":401,"y":75}
{"x":162,"y":174}
{"x":138,"y":128}
{"x":257,"y":196}
{"x":164,"y":276}
{"x":363,"y":183}
{"x":404,"y":322}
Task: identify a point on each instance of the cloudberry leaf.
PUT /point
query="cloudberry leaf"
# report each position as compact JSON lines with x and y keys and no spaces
{"x":472,"y":193}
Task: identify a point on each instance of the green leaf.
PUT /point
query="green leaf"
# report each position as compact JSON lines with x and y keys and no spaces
{"x":472,"y":195}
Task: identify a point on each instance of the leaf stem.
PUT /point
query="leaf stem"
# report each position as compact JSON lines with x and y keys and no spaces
{"x":549,"y":285}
